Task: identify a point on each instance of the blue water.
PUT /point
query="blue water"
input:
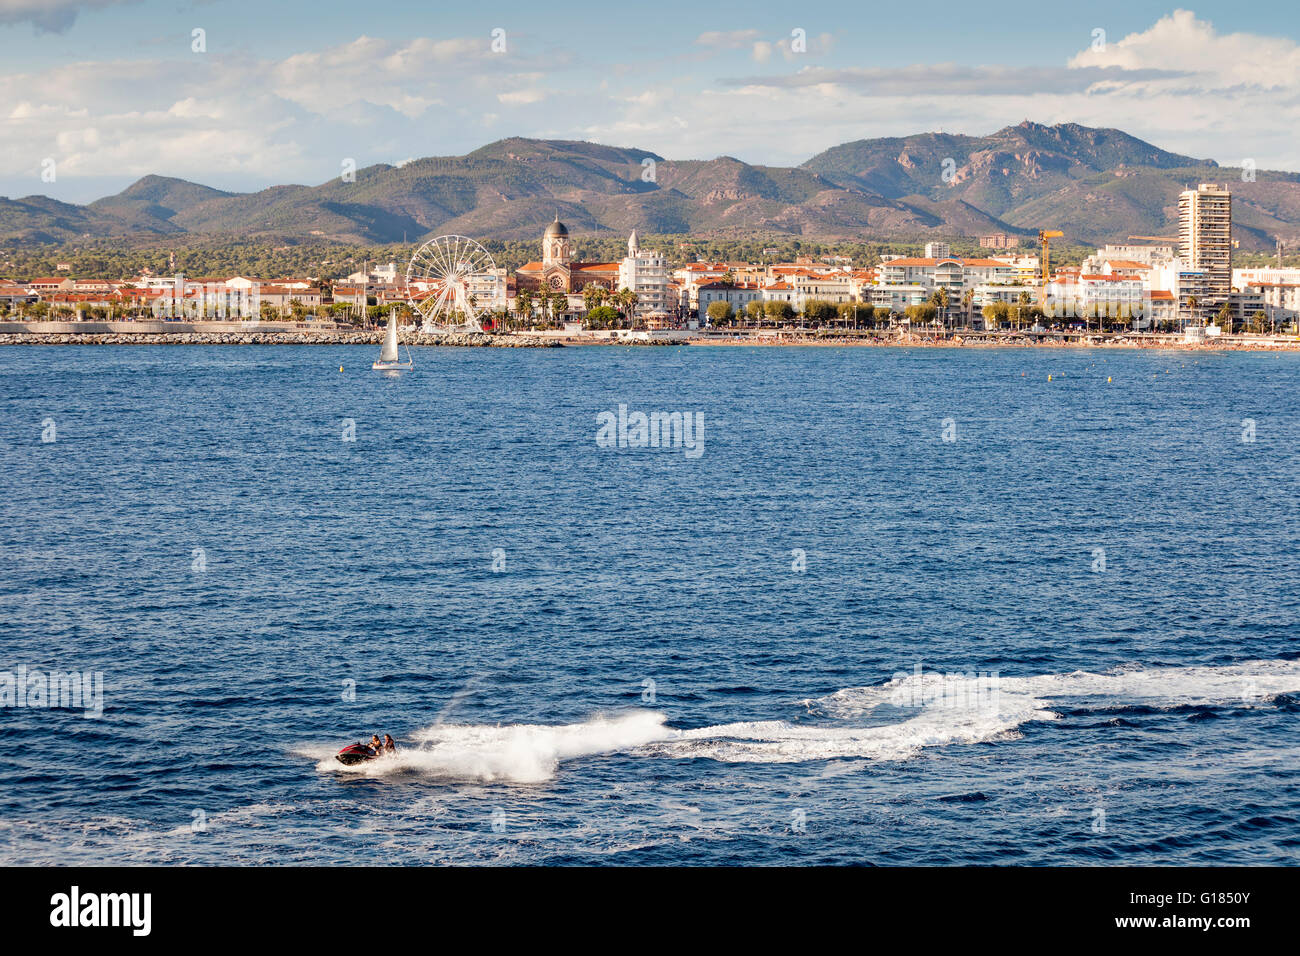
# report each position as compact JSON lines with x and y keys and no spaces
{"x":647,"y":677}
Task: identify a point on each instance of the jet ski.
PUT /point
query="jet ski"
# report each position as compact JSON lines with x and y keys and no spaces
{"x":355,"y":754}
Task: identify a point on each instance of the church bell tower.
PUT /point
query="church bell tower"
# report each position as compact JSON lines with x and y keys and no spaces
{"x":556,"y":248}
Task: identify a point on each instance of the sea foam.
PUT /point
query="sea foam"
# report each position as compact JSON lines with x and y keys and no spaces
{"x":515,"y":753}
{"x":532,"y":753}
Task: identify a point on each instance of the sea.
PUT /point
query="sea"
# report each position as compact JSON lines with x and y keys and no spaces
{"x":650,"y":605}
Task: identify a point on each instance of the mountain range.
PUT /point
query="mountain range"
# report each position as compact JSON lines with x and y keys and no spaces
{"x":1096,"y":185}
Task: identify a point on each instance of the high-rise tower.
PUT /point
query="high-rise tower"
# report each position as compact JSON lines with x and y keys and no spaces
{"x":1205,"y":235}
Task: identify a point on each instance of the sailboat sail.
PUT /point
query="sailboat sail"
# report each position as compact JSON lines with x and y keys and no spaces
{"x":389,"y":352}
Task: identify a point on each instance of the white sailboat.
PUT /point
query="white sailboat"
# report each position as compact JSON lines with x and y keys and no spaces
{"x":389,"y":359}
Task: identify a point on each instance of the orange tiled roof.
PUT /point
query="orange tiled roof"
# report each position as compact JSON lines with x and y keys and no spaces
{"x":574,"y":267}
{"x":79,"y":296}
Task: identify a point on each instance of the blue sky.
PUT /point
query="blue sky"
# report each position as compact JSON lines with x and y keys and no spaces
{"x":285,"y":92}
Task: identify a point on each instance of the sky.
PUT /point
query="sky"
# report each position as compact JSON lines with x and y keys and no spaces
{"x":242,"y":95}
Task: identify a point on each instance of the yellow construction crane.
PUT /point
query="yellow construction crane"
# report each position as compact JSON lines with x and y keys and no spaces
{"x":1043,"y":237}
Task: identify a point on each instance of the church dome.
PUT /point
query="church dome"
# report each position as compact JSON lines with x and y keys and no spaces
{"x":556,"y":229}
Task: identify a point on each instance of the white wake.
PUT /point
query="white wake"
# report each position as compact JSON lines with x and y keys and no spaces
{"x":1248,"y":683}
{"x":517,"y":753}
{"x":890,"y":721}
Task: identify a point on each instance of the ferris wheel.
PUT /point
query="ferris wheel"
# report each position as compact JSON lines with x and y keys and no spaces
{"x":451,"y":282}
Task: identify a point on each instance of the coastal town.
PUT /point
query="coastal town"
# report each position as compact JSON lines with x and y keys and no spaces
{"x":690,"y":438}
{"x":1183,"y":286}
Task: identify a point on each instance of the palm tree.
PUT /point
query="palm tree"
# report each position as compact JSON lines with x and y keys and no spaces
{"x":524,"y":304}
{"x":1225,"y":318}
{"x":625,"y":299}
{"x":1023,"y":301}
{"x":559,"y":305}
{"x":939,"y":299}
{"x":593,"y":295}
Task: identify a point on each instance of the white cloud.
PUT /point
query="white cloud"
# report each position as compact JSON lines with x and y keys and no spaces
{"x":225,"y":117}
{"x":1180,"y":84}
{"x":402,"y":77}
{"x":204,"y":117}
{"x":952,"y":79}
{"x":1180,"y":42}
{"x":760,"y":49}
{"x":49,"y":16}
{"x":521,"y":97}
{"x":727,"y":39}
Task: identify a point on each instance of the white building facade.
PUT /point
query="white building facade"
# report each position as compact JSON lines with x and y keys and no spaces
{"x":646,"y":274}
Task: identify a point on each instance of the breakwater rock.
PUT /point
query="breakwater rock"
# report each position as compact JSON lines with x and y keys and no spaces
{"x":472,"y":339}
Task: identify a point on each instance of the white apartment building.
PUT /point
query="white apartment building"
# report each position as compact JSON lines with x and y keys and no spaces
{"x":955,"y":275}
{"x":827,"y":286}
{"x":1205,"y":236}
{"x":798,"y":285}
{"x":1270,"y":275}
{"x":780,"y":291}
{"x":860,"y":280}
{"x":1279,"y":290}
{"x":646,"y":274}
{"x":1145,"y":254}
{"x":694,"y":274}
{"x":157,"y":283}
{"x":1027,"y":267}
{"x":988,"y":293}
{"x":1194,"y":284}
{"x":388,"y":274}
{"x":1247,"y":303}
{"x":1084,"y":296}
{"x":246,"y":283}
{"x":1165,"y":280}
{"x":1162,"y":309}
{"x":737,"y":294}
{"x":488,"y":288}
{"x":938,"y":250}
{"x":896,"y":298}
